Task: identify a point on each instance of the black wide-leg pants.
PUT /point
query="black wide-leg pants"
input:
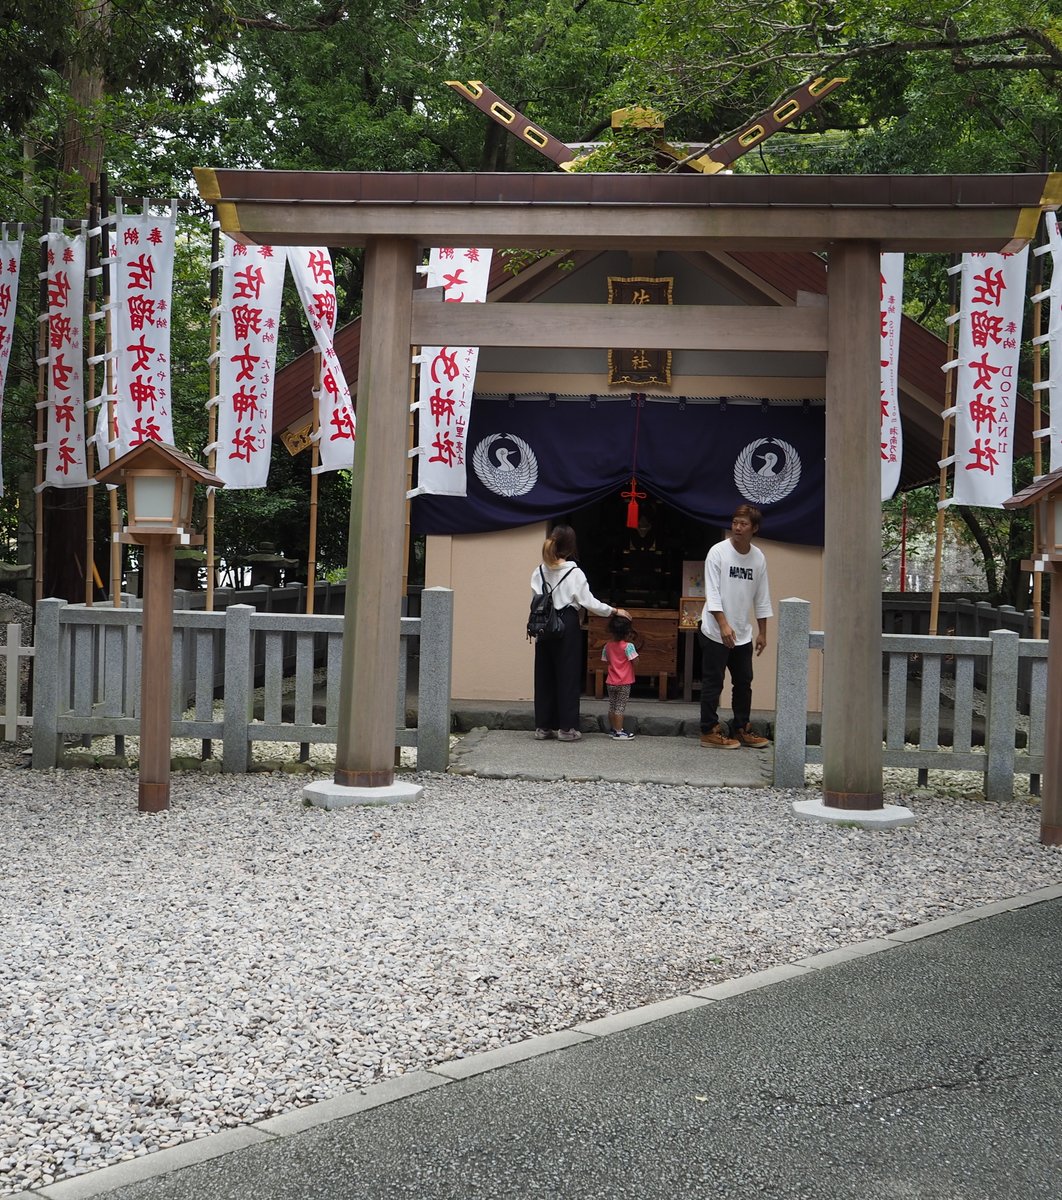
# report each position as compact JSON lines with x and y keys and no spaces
{"x":558,"y":676}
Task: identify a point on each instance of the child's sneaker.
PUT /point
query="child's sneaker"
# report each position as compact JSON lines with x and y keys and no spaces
{"x":621,"y":735}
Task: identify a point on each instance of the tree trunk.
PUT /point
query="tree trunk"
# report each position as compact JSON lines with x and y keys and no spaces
{"x":83,"y":144}
{"x":65,"y":512}
{"x":985,"y":546}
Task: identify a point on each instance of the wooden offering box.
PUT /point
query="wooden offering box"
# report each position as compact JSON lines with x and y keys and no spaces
{"x":655,"y":635}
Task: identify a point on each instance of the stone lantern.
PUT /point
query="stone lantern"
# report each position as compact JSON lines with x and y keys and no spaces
{"x":159,"y":487}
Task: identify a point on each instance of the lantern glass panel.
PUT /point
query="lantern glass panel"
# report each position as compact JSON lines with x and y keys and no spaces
{"x":152,"y":498}
{"x":1053,"y":534}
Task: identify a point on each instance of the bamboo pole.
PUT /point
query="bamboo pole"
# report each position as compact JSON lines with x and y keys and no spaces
{"x":212,"y":411}
{"x":945,"y":451}
{"x":90,"y":503}
{"x":315,"y":462}
{"x":1038,"y":451}
{"x":412,"y":442}
{"x":42,"y":377}
{"x":107,"y":408}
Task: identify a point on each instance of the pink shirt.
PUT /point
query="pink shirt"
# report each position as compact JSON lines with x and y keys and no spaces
{"x":619,"y":656}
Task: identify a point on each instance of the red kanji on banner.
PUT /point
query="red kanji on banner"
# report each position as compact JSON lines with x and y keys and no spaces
{"x":142,"y":353}
{"x":58,"y":289}
{"x":321,"y":267}
{"x":445,"y":364}
{"x":247,"y":362}
{"x":984,"y":457}
{"x":982,"y":413}
{"x":247,"y":284}
{"x":343,"y":424}
{"x":989,"y":287}
{"x":142,"y":272}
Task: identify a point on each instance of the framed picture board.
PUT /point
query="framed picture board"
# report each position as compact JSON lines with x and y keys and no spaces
{"x":693,"y":577}
{"x":690,"y":608}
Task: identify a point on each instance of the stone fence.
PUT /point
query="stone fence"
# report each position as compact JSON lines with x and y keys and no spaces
{"x":936,"y":715}
{"x":87,"y":678}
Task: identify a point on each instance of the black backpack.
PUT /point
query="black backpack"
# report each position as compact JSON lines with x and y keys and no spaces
{"x":544,"y":621}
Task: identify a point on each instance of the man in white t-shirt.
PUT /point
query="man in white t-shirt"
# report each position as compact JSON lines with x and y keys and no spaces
{"x":735,"y":589}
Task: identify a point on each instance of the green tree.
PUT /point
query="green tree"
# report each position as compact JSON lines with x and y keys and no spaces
{"x":712,"y":66}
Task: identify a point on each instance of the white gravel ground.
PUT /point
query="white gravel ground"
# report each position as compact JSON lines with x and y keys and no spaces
{"x":163,"y":977}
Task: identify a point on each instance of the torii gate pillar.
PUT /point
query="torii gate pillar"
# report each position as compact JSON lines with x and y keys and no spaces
{"x":851,"y":688}
{"x":365,"y":738}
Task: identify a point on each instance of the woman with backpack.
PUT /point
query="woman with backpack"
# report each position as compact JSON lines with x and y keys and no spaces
{"x":559,"y":660}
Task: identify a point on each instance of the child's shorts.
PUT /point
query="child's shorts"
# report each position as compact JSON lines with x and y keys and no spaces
{"x":618,"y":695}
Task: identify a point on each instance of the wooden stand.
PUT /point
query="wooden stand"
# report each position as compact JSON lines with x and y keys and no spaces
{"x":656,"y":631}
{"x":156,"y":674}
{"x":1051,"y":788}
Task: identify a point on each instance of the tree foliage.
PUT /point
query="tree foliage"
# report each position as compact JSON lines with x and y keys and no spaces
{"x":146,"y":91}
{"x":713,"y":66}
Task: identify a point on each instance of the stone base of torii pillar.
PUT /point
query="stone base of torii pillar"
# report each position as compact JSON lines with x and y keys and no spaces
{"x":889,"y":816}
{"x":326,"y":793}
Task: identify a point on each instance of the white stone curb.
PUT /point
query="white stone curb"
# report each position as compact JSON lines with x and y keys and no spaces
{"x":491,"y":1060}
{"x":337,"y":1107}
{"x":136,"y":1170}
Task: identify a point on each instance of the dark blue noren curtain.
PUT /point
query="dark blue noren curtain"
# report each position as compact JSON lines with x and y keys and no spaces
{"x":529,"y":460}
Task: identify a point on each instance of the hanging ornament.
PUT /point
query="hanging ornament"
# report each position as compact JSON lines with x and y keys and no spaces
{"x":632,"y":496}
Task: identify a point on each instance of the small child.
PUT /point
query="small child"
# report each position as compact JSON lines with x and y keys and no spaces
{"x":619,"y":652}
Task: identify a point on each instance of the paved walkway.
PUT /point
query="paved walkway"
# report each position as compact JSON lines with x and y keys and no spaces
{"x":514,"y":754}
{"x":925,"y":1064}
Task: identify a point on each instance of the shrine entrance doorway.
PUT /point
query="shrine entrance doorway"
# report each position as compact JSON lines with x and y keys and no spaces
{"x":646,"y":569}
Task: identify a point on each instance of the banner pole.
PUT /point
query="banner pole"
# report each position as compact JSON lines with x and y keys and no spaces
{"x":107,"y":408}
{"x":945,"y":450}
{"x":411,"y":443}
{"x":42,"y":376}
{"x":90,"y":504}
{"x":212,"y":411}
{"x":315,"y":462}
{"x":1038,"y":452}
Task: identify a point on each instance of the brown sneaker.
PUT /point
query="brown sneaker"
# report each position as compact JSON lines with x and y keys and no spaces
{"x":753,"y":740}
{"x":716,"y":737}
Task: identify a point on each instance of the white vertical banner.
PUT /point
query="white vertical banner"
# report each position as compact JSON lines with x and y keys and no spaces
{"x":10,"y":261}
{"x":986,"y":383}
{"x":891,"y":315}
{"x":448,"y":377}
{"x":142,"y":295}
{"x":311,"y":268}
{"x":65,"y":460}
{"x":252,"y":281}
{"x":1053,"y":339}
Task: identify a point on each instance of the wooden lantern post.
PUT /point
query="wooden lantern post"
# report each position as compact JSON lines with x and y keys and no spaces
{"x":1045,"y":498}
{"x":159,"y":483}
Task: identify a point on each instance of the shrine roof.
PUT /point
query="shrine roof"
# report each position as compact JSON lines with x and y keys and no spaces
{"x":1046,"y":485}
{"x":930,"y":213}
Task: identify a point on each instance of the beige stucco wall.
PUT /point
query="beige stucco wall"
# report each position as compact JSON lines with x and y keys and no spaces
{"x":490,"y":576}
{"x":793,"y":571}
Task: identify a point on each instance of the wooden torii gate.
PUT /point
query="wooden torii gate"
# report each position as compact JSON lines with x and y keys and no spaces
{"x":852,"y":219}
